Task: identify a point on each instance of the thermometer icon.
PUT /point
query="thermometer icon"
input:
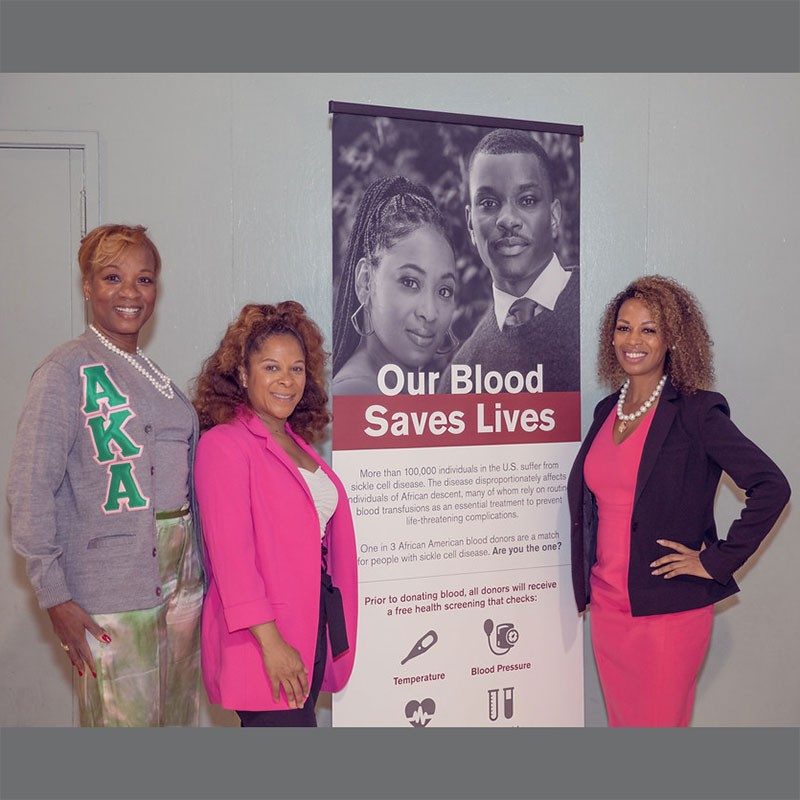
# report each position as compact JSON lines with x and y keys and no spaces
{"x":422,"y":645}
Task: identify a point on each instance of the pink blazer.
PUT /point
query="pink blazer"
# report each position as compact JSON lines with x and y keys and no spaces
{"x":262,"y":541}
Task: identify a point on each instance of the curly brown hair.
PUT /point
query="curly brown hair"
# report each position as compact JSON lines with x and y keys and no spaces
{"x":218,"y":389}
{"x":690,"y":363}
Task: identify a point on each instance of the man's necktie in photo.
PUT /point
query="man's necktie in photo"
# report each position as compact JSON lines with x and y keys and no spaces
{"x":522,"y":310}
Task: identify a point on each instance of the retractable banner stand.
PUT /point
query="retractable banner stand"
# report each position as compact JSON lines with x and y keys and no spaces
{"x":456,"y":402}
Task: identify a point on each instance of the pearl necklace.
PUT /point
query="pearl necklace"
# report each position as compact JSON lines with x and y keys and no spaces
{"x":626,"y":418}
{"x":160,"y":381}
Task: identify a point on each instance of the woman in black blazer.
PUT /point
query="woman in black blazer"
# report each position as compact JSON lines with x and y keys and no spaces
{"x":641,"y":496}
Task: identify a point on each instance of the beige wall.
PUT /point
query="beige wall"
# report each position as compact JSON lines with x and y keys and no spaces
{"x":692,"y":176}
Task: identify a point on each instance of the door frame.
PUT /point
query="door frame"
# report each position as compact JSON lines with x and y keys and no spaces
{"x":84,"y":147}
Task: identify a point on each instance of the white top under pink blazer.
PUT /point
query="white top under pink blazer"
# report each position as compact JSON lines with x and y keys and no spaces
{"x":262,"y":542}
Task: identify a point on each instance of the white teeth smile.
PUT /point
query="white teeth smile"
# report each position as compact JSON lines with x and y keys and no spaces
{"x":126,"y":310}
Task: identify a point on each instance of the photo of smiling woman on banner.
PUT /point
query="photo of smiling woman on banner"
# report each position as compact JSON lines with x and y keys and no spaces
{"x":500,"y":291}
{"x":397,"y":294}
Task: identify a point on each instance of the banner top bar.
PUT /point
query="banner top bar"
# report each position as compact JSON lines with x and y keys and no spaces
{"x":335,"y":107}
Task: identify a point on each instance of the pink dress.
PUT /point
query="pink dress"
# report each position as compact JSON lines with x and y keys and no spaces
{"x":648,"y":666}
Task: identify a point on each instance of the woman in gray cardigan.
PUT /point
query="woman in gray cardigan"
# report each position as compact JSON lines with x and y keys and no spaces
{"x":101,"y":500}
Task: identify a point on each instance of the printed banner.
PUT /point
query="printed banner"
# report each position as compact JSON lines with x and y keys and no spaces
{"x":456,"y":403}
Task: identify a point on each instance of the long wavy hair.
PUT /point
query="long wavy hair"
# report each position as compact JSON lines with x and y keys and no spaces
{"x":391,"y":209}
{"x":690,"y":361}
{"x":218,"y":390}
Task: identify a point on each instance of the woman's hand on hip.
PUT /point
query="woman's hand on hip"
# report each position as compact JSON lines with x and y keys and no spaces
{"x":683,"y":562}
{"x":283,"y":664}
{"x":70,"y":623}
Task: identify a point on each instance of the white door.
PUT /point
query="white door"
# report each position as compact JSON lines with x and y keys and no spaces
{"x":43,"y":194}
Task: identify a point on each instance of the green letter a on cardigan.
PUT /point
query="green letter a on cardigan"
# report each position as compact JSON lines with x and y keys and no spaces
{"x":122,"y":488}
{"x":98,"y":386}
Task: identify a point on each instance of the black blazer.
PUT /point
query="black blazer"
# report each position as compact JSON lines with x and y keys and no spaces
{"x":690,"y":441}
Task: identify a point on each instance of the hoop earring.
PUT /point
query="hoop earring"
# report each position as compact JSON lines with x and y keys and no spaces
{"x":367,"y":329}
{"x":453,"y":344}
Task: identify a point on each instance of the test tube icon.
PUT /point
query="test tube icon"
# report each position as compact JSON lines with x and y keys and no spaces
{"x":494,"y":699}
{"x":508,"y":702}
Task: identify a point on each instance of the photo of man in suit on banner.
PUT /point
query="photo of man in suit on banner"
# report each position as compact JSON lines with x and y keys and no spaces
{"x":514,"y":219}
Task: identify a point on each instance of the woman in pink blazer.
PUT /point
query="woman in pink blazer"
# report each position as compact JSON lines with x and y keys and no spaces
{"x":279,"y":617}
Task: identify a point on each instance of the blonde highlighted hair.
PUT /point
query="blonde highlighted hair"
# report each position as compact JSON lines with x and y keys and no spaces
{"x":104,"y":245}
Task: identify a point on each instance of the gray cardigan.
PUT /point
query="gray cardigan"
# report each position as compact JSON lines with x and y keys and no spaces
{"x":82,"y":484}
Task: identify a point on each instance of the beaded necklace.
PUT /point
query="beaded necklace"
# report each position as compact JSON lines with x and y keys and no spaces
{"x":157,"y":378}
{"x":627,"y":418}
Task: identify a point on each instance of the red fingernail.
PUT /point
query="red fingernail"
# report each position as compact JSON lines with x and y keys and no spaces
{"x":80,"y":673}
{"x":94,"y":673}
{"x":106,"y":638}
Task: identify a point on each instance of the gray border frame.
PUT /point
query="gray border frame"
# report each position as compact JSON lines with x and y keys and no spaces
{"x":433,"y":36}
{"x":582,"y":35}
{"x":351,"y":764}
